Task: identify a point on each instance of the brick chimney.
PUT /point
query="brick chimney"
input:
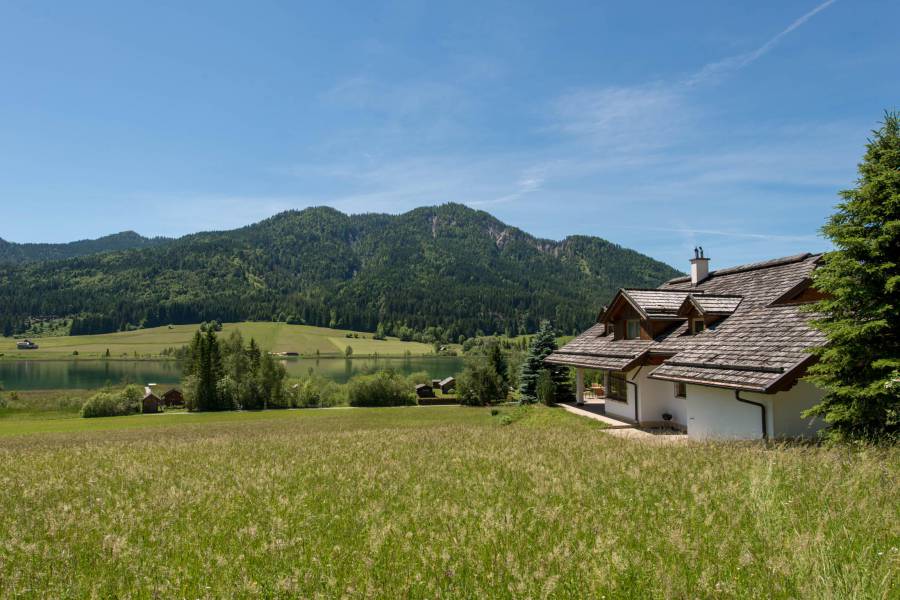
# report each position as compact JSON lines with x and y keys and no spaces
{"x":699,"y":266}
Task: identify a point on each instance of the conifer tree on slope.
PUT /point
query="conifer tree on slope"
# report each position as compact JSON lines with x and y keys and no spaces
{"x":543,"y":344}
{"x":859,"y":367}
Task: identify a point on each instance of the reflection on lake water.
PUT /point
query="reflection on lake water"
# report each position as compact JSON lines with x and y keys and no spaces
{"x":91,"y":374}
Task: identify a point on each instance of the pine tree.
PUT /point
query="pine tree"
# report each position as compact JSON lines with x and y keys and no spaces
{"x":209,"y":372}
{"x":859,"y":367}
{"x":498,"y":361}
{"x":543,"y":344}
{"x":254,"y":354}
{"x":192,"y":365}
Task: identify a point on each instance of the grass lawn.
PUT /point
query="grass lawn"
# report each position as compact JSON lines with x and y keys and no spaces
{"x":433,"y":502}
{"x":274,"y":337}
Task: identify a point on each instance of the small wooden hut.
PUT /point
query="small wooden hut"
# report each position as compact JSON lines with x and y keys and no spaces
{"x":173,"y":398}
{"x":151,"y":402}
{"x":423,"y":390}
{"x":448,"y":385}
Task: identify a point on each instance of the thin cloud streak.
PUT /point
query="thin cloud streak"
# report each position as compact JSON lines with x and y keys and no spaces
{"x":732,"y":234}
{"x":716,"y":69}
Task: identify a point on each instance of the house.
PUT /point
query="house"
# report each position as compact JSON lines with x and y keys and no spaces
{"x":173,"y":398}
{"x":26,"y":345}
{"x":436,"y":384}
{"x":448,"y":385}
{"x":150,"y":403}
{"x":719,"y":354}
{"x":423,"y":390}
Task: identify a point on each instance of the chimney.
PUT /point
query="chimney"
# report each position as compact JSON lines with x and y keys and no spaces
{"x":699,"y":266}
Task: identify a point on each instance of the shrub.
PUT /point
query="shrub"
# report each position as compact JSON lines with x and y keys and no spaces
{"x":545,"y":388}
{"x":131,"y":398}
{"x":111,"y":404}
{"x":385,"y":388}
{"x":316,"y":391}
{"x":480,"y":385}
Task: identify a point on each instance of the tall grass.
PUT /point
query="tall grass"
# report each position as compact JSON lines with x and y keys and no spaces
{"x":438,"y":502}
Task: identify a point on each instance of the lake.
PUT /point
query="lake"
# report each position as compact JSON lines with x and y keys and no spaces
{"x":91,"y":374}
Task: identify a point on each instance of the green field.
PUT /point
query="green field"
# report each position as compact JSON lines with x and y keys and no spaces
{"x":433,"y":502}
{"x":274,"y":337}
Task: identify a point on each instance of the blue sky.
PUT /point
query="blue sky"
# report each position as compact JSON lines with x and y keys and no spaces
{"x":657,"y":125}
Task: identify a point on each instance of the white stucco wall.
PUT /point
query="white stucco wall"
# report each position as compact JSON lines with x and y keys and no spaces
{"x":788,"y":406}
{"x":715,"y":413}
{"x":656,"y":397}
{"x":616,"y":408}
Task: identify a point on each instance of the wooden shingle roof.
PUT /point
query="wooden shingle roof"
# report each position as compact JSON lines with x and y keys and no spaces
{"x":756,"y":346}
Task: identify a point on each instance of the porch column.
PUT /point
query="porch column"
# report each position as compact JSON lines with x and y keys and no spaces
{"x":579,"y":385}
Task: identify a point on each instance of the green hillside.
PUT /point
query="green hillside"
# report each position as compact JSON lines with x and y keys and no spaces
{"x":449,"y":267}
{"x":12,"y":253}
{"x":273,"y":337}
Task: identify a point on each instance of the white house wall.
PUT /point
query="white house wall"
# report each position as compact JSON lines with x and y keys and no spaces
{"x":616,"y":408}
{"x":715,"y":413}
{"x":788,"y":406}
{"x":656,"y":397}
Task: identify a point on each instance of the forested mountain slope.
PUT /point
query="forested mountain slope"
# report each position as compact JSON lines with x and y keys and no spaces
{"x":12,"y":253}
{"x":449,"y":266}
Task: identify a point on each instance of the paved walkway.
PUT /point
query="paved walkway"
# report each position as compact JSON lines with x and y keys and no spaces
{"x":596,"y":409}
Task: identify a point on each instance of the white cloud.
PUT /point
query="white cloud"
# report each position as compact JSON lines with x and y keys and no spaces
{"x":627,"y":118}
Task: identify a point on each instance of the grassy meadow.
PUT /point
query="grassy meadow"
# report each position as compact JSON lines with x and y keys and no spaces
{"x":434,"y":502}
{"x":274,"y":337}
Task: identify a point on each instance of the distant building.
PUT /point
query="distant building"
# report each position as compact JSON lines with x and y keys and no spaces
{"x":173,"y":398}
{"x":436,"y":384}
{"x":448,"y":385}
{"x":423,"y":390}
{"x":26,"y":345}
{"x":151,"y":402}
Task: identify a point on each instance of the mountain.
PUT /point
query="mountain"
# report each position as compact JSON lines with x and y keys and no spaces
{"x":448,"y":266}
{"x":12,"y":253}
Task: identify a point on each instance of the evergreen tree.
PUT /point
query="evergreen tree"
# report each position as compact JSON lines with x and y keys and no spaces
{"x":498,"y":361}
{"x":858,"y":367}
{"x":192,"y":365}
{"x":253,"y":355}
{"x":216,"y":370}
{"x":209,"y":372}
{"x":543,"y":344}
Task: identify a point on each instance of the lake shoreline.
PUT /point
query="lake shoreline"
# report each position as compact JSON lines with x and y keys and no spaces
{"x":337,"y":355}
{"x":87,"y":372}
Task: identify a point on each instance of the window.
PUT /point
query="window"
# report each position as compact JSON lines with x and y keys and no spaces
{"x":680,"y":389}
{"x":616,"y":388}
{"x":697,"y":326}
{"x":632,"y":329}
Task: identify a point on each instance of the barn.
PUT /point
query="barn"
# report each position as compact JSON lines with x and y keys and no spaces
{"x":173,"y":398}
{"x":151,"y":402}
{"x":448,"y":385}
{"x":423,"y":390}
